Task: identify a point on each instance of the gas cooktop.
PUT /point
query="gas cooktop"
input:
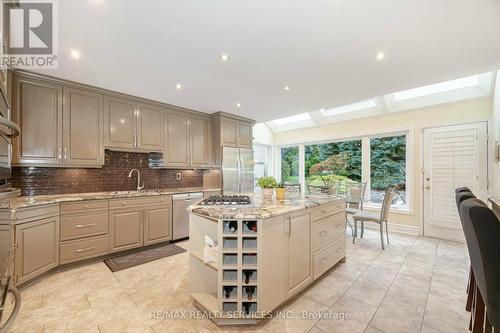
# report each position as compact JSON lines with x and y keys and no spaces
{"x":226,"y":200}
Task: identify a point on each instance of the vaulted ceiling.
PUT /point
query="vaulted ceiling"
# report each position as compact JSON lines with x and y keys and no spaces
{"x":325,"y":51}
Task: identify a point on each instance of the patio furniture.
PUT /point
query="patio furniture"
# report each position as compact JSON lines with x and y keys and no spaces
{"x":379,"y":218}
{"x":482,"y":234}
{"x":322,"y":189}
{"x":355,"y":194}
{"x":296,"y":188}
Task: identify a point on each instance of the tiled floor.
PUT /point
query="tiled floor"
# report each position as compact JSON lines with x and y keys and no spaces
{"x":415,"y":285}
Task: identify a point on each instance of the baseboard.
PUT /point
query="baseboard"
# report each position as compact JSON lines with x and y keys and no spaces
{"x":397,"y":228}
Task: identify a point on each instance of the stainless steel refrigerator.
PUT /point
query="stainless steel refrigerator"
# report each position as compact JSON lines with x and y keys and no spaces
{"x":237,"y":170}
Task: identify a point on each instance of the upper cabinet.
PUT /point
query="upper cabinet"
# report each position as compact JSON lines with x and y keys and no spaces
{"x":187,"y":140}
{"x":129,"y":125}
{"x":200,"y":141}
{"x":37,"y":109}
{"x":59,"y":126}
{"x":230,"y":132}
{"x":82,"y":128}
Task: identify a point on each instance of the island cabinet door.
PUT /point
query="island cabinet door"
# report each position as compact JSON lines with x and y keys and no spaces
{"x":157,"y":224}
{"x":299,"y":252}
{"x":126,"y":229}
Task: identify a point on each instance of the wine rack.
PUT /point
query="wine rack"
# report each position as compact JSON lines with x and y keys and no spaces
{"x":238,"y":276}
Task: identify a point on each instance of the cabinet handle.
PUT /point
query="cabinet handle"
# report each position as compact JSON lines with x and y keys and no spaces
{"x":60,"y":153}
{"x":323,"y":211}
{"x":79,"y":226}
{"x":65,"y":153}
{"x":288,"y":230}
{"x":86,"y":206}
{"x":85,"y":249}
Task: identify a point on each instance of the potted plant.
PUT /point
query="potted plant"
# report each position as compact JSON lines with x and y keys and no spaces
{"x":280,"y":191}
{"x":267,"y":184}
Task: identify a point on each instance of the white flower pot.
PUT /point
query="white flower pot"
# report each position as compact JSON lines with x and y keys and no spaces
{"x":267,"y":193}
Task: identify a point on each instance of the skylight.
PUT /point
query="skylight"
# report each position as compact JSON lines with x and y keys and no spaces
{"x":465,"y":82}
{"x":293,"y":119}
{"x":363,"y":105}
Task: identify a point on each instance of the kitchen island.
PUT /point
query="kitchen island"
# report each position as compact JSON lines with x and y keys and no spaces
{"x":246,"y":260}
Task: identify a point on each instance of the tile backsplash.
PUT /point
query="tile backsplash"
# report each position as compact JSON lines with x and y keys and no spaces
{"x":113,"y":176}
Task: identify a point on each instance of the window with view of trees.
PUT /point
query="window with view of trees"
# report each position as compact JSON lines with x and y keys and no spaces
{"x":290,"y":164}
{"x":333,"y":164}
{"x":388,"y":167}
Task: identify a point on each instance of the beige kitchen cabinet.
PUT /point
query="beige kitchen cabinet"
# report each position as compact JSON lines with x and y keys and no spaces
{"x":53,"y":132}
{"x":188,"y":141}
{"x":37,"y":109}
{"x":132,"y":126}
{"x":176,"y":152}
{"x":200,"y":142}
{"x":82,"y":128}
{"x":245,"y":135}
{"x":230,"y":132}
{"x":157,"y":224}
{"x":119,"y":123}
{"x":125,"y":229}
{"x":299,"y":252}
{"x":150,"y":127}
{"x":38,"y":248}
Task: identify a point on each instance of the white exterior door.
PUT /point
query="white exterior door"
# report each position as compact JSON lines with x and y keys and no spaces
{"x":454,"y":156}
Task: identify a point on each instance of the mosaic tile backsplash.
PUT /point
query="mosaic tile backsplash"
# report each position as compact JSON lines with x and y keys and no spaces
{"x":113,"y":176}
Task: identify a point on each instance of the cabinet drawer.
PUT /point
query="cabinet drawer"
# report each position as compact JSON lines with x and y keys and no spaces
{"x":327,"y":257}
{"x":84,"y":225}
{"x":328,"y":229}
{"x":323,"y":211}
{"x":82,"y":206}
{"x":83,"y":248}
{"x":139,"y":202}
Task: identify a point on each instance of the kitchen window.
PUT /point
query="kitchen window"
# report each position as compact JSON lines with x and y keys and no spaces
{"x":290,"y":164}
{"x":262,"y":161}
{"x":332,"y":164}
{"x":388,"y":167}
{"x":380,"y":160}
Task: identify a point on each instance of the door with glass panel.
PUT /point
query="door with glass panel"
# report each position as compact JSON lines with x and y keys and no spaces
{"x":454,"y":156}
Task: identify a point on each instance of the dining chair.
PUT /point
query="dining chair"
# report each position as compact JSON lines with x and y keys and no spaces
{"x":296,"y":188}
{"x":379,"y":218}
{"x":482,"y":235}
{"x":355,"y":194}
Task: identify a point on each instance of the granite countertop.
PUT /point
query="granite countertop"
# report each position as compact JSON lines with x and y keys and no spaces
{"x":261,"y":209}
{"x":37,"y":200}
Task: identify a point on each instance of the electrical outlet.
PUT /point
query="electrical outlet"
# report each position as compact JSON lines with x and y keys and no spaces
{"x":178,"y":176}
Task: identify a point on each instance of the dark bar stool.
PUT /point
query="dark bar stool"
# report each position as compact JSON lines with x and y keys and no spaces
{"x":462,"y":189}
{"x":460,"y":197}
{"x":482,"y":233}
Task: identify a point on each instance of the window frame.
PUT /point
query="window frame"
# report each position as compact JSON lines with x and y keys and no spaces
{"x":365,"y":137}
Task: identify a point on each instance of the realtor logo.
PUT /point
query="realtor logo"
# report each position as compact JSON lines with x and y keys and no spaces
{"x":29,"y":34}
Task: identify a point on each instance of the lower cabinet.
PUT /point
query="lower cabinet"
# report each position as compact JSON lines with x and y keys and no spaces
{"x":136,"y":222}
{"x":38,"y":248}
{"x":157,"y":224}
{"x":126,"y":229}
{"x":298,"y":250}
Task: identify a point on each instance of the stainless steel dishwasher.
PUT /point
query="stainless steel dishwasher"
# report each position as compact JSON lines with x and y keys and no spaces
{"x":180,"y":219}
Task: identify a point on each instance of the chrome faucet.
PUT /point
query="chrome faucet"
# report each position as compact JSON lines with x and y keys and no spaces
{"x":139,"y":186}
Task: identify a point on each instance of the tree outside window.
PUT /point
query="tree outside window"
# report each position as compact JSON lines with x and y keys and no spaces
{"x":290,"y":165}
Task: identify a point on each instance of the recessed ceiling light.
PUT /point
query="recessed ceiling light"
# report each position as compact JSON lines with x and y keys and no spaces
{"x":224,"y":57}
{"x":286,"y":88}
{"x":380,"y":55}
{"x":238,"y":105}
{"x":178,"y":86}
{"x":75,"y":54}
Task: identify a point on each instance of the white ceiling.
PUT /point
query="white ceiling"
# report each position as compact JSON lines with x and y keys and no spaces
{"x":325,"y":50}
